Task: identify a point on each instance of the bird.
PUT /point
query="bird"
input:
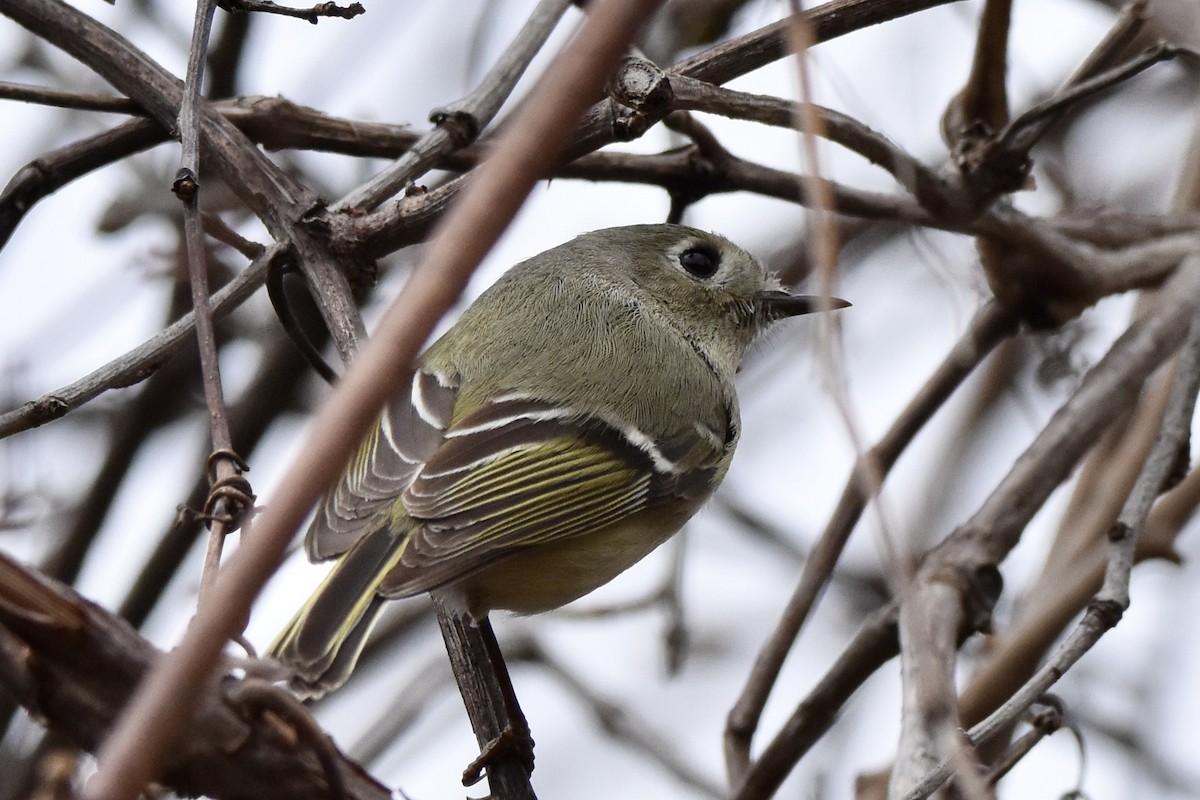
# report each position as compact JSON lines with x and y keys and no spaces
{"x":577,"y":414}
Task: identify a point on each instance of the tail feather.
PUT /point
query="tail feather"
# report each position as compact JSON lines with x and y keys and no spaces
{"x":323,"y":641}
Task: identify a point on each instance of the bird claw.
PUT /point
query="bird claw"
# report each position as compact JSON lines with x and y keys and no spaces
{"x":511,"y":743}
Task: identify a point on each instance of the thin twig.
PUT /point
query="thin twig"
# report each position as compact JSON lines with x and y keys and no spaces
{"x":1029,"y":126}
{"x":809,"y":118}
{"x":873,"y":646}
{"x":828,"y":21}
{"x":61,"y":98}
{"x":461,"y":122}
{"x":313,"y":14}
{"x":623,"y":726}
{"x":139,"y":362}
{"x":281,"y":203}
{"x":225,"y":511}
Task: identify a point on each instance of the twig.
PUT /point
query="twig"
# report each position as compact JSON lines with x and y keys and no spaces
{"x":139,"y":362}
{"x":1042,"y":724}
{"x":279,"y":379}
{"x":1029,"y":126}
{"x":1128,"y":24}
{"x":873,"y":646}
{"x":223,"y":510}
{"x":807,"y":117}
{"x":53,"y":170}
{"x":61,"y":98}
{"x":981,"y":108}
{"x":731,"y":59}
{"x":461,"y":122}
{"x":266,"y":188}
{"x":313,"y":14}
{"x":621,"y":725}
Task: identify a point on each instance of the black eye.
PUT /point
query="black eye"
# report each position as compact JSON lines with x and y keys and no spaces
{"x":702,"y":262}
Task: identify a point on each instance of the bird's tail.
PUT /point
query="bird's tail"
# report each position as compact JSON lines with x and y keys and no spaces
{"x":323,"y":641}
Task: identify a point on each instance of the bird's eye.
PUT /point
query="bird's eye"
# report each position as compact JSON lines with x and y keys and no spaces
{"x":702,"y":262}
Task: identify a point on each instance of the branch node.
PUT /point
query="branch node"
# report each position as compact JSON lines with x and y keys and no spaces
{"x":231,"y":495}
{"x":642,"y":93}
{"x":461,"y":126}
{"x":510,"y":742}
{"x":185,"y":186}
{"x":1119,"y":532}
{"x":1107,"y":612}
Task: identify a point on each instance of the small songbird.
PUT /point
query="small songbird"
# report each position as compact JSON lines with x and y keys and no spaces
{"x":580,"y":411}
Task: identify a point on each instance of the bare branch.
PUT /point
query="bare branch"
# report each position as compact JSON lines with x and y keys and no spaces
{"x":461,"y":122}
{"x":75,"y":665}
{"x":143,"y":360}
{"x":989,"y":327}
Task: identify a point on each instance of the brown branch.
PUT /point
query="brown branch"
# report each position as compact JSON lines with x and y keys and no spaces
{"x":732,"y":59}
{"x":873,"y":646}
{"x":277,"y":383}
{"x":1112,"y":600}
{"x":264,"y":187}
{"x":312,"y":15}
{"x":51,"y":171}
{"x":461,"y":122}
{"x":231,"y":496}
{"x":143,"y":360}
{"x":621,"y":725}
{"x":74,"y":665}
{"x":61,"y":98}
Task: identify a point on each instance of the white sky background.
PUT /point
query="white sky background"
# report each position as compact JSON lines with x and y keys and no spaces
{"x":71,"y":300}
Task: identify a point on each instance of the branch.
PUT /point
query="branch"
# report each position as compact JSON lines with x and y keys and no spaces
{"x":74,"y":665}
{"x":282,"y":204}
{"x":990,"y":326}
{"x":873,"y":646}
{"x":143,"y":360}
{"x":734,"y":58}
{"x":461,"y":122}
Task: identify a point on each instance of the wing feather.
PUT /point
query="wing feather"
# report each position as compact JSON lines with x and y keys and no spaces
{"x":520,"y":472}
{"x":408,"y":432}
{"x":514,"y":473}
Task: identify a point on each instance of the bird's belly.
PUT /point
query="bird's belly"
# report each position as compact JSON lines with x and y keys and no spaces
{"x":549,"y":575}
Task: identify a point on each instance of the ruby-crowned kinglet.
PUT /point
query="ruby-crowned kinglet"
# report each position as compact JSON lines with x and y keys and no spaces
{"x":580,"y":411}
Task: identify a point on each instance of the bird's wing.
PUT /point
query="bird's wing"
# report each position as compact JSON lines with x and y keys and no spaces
{"x":520,"y":471}
{"x":409,"y":431}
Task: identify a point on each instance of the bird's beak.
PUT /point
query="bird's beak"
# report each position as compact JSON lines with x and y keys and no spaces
{"x":777,"y":304}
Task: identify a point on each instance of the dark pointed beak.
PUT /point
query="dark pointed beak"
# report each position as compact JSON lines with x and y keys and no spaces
{"x":776,"y":304}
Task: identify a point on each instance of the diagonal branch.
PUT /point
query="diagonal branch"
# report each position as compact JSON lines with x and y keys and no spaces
{"x":461,"y":122}
{"x":990,"y":326}
{"x":143,"y":360}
